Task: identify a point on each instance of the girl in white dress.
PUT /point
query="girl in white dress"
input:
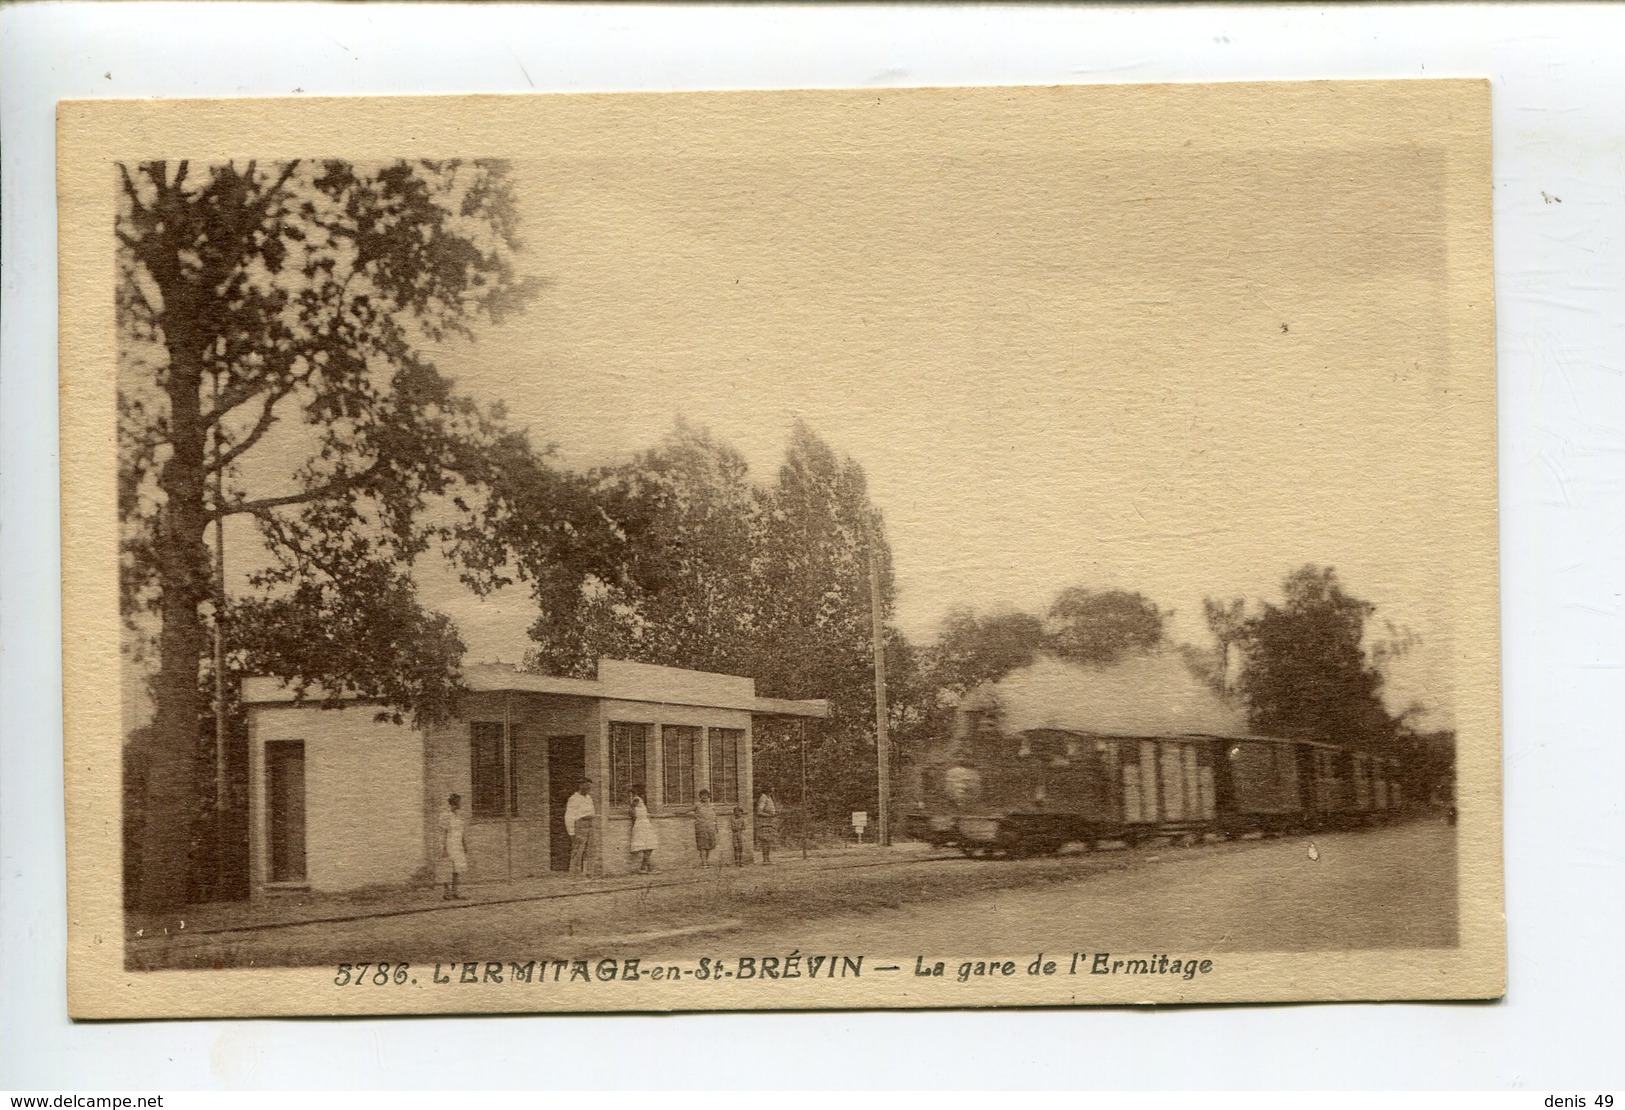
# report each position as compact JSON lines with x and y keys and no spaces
{"x":453,"y":846}
{"x":644,"y":840}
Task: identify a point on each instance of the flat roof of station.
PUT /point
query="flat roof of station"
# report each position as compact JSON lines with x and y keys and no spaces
{"x":617,"y":680}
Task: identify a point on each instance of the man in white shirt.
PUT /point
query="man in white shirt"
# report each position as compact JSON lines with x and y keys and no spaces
{"x":580,"y":815}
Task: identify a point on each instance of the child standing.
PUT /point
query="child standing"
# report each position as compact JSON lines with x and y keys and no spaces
{"x":737,"y":825}
{"x":705,"y":827}
{"x":644,"y":838}
{"x":767,"y":826}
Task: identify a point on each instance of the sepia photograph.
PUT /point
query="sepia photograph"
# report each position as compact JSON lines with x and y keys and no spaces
{"x":772,"y":550}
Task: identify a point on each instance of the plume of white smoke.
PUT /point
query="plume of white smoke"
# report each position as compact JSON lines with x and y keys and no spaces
{"x":1147,"y":695}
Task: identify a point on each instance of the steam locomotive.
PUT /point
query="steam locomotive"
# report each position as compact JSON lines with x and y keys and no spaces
{"x":987,"y":792}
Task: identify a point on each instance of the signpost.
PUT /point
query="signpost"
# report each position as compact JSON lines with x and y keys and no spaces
{"x":804,"y":810}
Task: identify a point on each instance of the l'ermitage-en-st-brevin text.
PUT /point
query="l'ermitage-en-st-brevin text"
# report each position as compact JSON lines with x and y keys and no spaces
{"x":792,"y":965}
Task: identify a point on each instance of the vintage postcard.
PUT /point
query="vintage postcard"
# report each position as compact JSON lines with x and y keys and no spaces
{"x":766,"y":550}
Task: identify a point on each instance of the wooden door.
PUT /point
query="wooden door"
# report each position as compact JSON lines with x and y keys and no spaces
{"x":285,"y":809}
{"x":528,"y":825}
{"x":566,"y":767}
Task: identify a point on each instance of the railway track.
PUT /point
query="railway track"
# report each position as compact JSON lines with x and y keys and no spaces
{"x":675,"y":880}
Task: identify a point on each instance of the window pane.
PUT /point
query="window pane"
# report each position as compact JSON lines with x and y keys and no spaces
{"x":725,"y":745}
{"x":628,"y":760}
{"x":487,"y":769}
{"x":678,"y":744}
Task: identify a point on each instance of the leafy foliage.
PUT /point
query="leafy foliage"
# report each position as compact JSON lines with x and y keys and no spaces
{"x":1227,"y":621}
{"x":1084,"y":626}
{"x":337,"y":614}
{"x":1306,"y":670}
{"x":1101,"y":627}
{"x":972,"y":649}
{"x":683,"y":523}
{"x":716,"y":572}
{"x":815,"y":636}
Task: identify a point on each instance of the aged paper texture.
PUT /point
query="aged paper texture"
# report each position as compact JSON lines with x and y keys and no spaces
{"x":772,"y":550}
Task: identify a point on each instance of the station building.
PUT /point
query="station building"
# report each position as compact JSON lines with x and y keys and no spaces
{"x":340,"y":800}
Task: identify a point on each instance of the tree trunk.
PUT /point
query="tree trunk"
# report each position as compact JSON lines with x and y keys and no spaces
{"x":174,"y":801}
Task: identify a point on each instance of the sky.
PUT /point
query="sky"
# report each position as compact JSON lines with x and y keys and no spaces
{"x":1101,"y":337}
{"x":1118,"y":352}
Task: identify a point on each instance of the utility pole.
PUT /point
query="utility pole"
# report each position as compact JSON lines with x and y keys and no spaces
{"x":510,"y":784}
{"x":882,"y":743}
{"x":804,"y":788}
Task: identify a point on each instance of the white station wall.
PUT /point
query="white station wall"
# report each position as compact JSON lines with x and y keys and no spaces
{"x":363,"y":794}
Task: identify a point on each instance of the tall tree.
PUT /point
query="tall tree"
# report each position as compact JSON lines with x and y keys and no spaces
{"x":688,"y":520}
{"x":1101,"y":627}
{"x":815,"y":637}
{"x":273,"y":320}
{"x":1306,"y":672}
{"x":972,"y":649}
{"x":1227,"y":621}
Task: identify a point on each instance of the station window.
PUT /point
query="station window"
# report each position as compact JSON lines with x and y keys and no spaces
{"x":679,"y":752}
{"x":725,"y":745}
{"x":488,"y":770}
{"x":628,"y":760}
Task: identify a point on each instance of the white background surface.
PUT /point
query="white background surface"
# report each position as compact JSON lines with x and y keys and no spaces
{"x":1558,"y":78}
